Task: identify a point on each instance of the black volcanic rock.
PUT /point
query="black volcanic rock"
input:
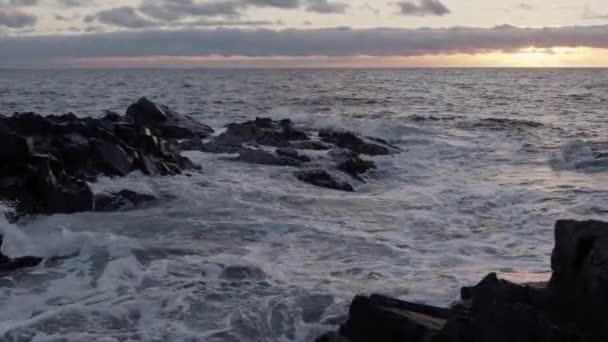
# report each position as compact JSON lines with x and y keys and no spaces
{"x":323,"y":179}
{"x":262,"y":131}
{"x":356,"y":144}
{"x":572,"y":307}
{"x":47,"y":161}
{"x":165,"y":122}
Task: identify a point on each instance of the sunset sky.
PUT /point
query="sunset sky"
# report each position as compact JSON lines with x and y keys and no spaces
{"x":303,"y":33}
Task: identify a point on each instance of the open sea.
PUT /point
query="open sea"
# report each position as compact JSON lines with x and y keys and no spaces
{"x":240,"y":252}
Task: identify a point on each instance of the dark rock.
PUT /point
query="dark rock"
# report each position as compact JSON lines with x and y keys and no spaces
{"x":146,"y":112}
{"x":310,"y":145}
{"x":293,"y":154}
{"x":323,"y":179}
{"x":195,"y":144}
{"x":350,"y":163}
{"x":112,"y":116}
{"x":256,"y":156}
{"x":9,"y":264}
{"x":262,"y":131}
{"x":14,"y":148}
{"x":215,"y":147}
{"x":354,"y":143}
{"x":165,"y":122}
{"x":113,"y":158}
{"x":69,"y":197}
{"x":123,"y":200}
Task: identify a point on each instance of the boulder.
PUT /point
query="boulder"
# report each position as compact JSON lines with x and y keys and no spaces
{"x":323,"y":179}
{"x":358,"y":145}
{"x":165,"y":122}
{"x":262,"y":131}
{"x":122,"y":200}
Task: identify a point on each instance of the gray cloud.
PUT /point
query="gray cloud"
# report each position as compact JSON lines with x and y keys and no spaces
{"x":273,"y":3}
{"x":13,"y":18}
{"x":423,"y":8}
{"x":122,"y":17}
{"x":170,"y":10}
{"x":74,"y":3}
{"x":325,"y":7}
{"x":338,"y":42}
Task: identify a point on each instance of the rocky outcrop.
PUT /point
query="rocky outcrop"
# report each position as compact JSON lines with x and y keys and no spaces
{"x":46,"y":161}
{"x":284,"y":144}
{"x":572,"y":307}
{"x":9,"y":264}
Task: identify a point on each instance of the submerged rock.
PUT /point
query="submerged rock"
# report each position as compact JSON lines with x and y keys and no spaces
{"x":9,"y":264}
{"x":573,"y":307}
{"x":357,"y":145}
{"x":256,"y":156}
{"x":122,"y":200}
{"x":262,"y":131}
{"x":323,"y":179}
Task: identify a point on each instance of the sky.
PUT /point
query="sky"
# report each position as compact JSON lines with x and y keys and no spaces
{"x":303,"y":33}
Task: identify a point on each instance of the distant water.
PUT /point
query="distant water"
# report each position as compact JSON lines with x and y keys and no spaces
{"x":247,"y":253}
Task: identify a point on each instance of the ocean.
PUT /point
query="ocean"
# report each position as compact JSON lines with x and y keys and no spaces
{"x":239,"y":252}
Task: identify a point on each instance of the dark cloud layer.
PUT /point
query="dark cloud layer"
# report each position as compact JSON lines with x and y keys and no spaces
{"x":35,"y":50}
{"x":17,"y":19}
{"x":423,"y":8}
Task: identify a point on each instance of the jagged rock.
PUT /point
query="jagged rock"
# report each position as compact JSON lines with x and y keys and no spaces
{"x":323,"y":179}
{"x":9,"y":264}
{"x":310,"y":145}
{"x":572,"y":308}
{"x":165,"y":122}
{"x":350,"y":163}
{"x":47,"y":161}
{"x":263,"y":131}
{"x":113,"y":158}
{"x":122,"y":200}
{"x":256,"y":156}
{"x":293,"y":154}
{"x":354,"y":143}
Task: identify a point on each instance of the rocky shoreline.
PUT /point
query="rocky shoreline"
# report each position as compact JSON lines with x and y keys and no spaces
{"x":571,"y":307}
{"x":48,"y":163}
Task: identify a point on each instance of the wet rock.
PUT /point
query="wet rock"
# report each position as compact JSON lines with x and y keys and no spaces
{"x":293,"y":154}
{"x":112,"y":158}
{"x":122,"y":200}
{"x":9,"y":264}
{"x":165,"y":122}
{"x":47,"y":161}
{"x":192,"y":145}
{"x":572,"y":308}
{"x":256,"y":156}
{"x":323,"y":179}
{"x":14,"y":147}
{"x":310,"y":145}
{"x":350,"y":163}
{"x":358,"y":145}
{"x":262,"y":131}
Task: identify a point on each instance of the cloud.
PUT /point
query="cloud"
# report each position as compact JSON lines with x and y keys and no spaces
{"x":590,"y":14}
{"x":74,"y":3}
{"x":337,"y":42}
{"x":14,"y":18}
{"x":423,"y":8}
{"x":123,"y":17}
{"x":18,"y":3}
{"x":325,"y":7}
{"x":289,"y":4}
{"x":171,"y":10}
